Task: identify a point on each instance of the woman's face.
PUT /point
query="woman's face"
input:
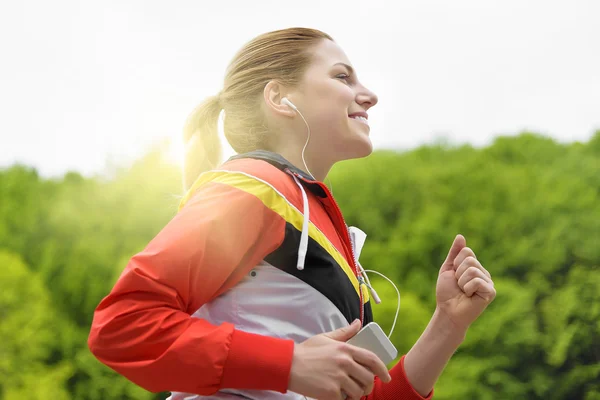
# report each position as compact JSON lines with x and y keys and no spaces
{"x":335,"y":105}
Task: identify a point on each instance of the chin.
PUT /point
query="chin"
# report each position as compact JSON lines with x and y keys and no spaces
{"x":359,"y":148}
{"x":366,"y":151}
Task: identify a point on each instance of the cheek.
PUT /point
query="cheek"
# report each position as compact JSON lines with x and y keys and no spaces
{"x":345,"y":95}
{"x":329,"y":110}
{"x":334,"y":91}
{"x":338,"y":100}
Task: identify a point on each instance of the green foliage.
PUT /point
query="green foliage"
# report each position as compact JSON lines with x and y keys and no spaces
{"x":76,"y":235}
{"x":28,"y":336}
{"x":528,"y":206}
{"x":530,"y":209}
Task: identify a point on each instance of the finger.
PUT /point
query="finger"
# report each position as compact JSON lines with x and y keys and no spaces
{"x":371,"y":362}
{"x":369,"y":388}
{"x":351,"y":389}
{"x":345,"y":333}
{"x":471,"y":262}
{"x":363,"y":376}
{"x":462,"y":255}
{"x":469,"y":275}
{"x":457,"y":246}
{"x":481,"y":288}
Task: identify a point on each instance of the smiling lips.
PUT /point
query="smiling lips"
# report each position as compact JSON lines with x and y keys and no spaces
{"x":361,"y":117}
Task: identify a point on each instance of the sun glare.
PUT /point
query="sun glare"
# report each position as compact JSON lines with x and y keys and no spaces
{"x":176,"y":151}
{"x":226,"y":149}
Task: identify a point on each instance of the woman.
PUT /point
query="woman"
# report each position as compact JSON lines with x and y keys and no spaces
{"x":252,"y":289}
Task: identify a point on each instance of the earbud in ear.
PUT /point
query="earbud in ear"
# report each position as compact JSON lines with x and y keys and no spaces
{"x":289,"y":103}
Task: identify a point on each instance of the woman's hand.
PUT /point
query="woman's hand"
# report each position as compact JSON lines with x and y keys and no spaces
{"x":325,"y":367}
{"x":464,"y":288}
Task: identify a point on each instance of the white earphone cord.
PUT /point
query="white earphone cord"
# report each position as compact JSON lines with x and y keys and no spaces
{"x":305,"y":144}
{"x":363,"y":270}
{"x":397,"y":292}
{"x":304,"y":148}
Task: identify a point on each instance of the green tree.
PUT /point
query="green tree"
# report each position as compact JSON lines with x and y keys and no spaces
{"x":528,"y":206}
{"x":28,"y":334}
{"x":530,"y":209}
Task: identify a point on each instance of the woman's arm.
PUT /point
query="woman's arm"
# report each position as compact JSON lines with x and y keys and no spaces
{"x":426,"y":360}
{"x":415,"y":375}
{"x":143,"y":328}
{"x":464,"y":289}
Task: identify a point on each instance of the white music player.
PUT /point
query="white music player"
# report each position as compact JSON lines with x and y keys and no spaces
{"x":371,"y":337}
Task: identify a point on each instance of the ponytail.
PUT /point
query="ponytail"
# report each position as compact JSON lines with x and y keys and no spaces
{"x":201,"y":138}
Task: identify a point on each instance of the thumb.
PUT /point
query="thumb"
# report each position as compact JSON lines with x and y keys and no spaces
{"x":345,"y":333}
{"x":459,"y":243}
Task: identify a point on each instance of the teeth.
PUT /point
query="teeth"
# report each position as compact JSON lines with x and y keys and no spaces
{"x":361,"y":119}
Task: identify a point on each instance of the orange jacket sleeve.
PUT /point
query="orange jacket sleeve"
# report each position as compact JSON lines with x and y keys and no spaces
{"x":143,"y":328}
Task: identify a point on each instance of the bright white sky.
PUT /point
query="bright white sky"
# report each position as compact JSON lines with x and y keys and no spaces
{"x":83,"y":81}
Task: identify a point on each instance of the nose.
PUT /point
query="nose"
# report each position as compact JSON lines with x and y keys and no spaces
{"x":366,"y":98}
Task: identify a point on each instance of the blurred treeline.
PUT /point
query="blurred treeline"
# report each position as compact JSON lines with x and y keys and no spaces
{"x":528,"y":206}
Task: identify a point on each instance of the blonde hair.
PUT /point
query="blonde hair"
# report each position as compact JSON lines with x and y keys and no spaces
{"x":281,"y":55}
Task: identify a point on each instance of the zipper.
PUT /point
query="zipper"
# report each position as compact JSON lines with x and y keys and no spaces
{"x":346,"y":235}
{"x":358,"y":277}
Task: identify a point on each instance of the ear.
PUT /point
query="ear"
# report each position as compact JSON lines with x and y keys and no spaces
{"x":273,"y":93}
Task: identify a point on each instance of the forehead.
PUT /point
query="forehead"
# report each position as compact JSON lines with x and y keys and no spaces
{"x":328,"y":53}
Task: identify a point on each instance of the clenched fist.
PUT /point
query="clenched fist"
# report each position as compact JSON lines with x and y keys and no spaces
{"x":464,"y":287}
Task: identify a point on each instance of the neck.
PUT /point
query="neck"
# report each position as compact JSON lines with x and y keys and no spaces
{"x":318,"y":170}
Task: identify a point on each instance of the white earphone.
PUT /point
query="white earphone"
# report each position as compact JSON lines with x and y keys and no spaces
{"x":284,"y":100}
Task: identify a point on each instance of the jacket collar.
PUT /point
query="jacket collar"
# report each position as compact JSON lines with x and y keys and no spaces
{"x":282,"y":164}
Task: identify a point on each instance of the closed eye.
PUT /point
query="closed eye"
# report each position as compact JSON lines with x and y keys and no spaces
{"x":344,"y":77}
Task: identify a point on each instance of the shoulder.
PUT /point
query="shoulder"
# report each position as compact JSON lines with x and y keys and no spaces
{"x":255,"y":177}
{"x":257,"y":169}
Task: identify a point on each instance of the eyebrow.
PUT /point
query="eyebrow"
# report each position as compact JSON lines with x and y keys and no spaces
{"x":350,"y":69}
